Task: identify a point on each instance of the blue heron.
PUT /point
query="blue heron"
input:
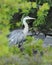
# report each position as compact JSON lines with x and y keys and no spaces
{"x":17,"y":36}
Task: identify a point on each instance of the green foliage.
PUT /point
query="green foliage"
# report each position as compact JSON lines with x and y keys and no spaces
{"x":34,"y":5}
{"x":3,"y":50}
{"x":7,"y":10}
{"x":3,"y":45}
{"x":12,"y":55}
{"x":44,"y":1}
{"x":14,"y":50}
{"x":43,"y":10}
{"x":32,"y":44}
{"x":41,"y":15}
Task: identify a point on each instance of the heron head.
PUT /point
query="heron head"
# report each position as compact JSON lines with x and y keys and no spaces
{"x":27,"y":18}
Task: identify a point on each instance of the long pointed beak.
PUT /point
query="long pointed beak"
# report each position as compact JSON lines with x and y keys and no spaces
{"x":31,"y":18}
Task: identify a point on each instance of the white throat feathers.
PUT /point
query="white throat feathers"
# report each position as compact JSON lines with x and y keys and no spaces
{"x":25,"y":31}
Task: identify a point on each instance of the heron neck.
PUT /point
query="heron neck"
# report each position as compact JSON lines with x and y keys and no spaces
{"x":25,"y":31}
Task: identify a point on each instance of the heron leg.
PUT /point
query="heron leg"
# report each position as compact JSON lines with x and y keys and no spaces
{"x":21,"y":46}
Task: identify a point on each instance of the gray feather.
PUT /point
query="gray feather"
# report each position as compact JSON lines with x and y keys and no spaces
{"x":16,"y":36}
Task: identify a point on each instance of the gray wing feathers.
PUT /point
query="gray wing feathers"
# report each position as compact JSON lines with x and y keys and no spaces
{"x":16,"y":37}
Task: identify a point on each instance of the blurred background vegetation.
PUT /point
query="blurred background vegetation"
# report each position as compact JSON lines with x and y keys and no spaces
{"x":11,"y":14}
